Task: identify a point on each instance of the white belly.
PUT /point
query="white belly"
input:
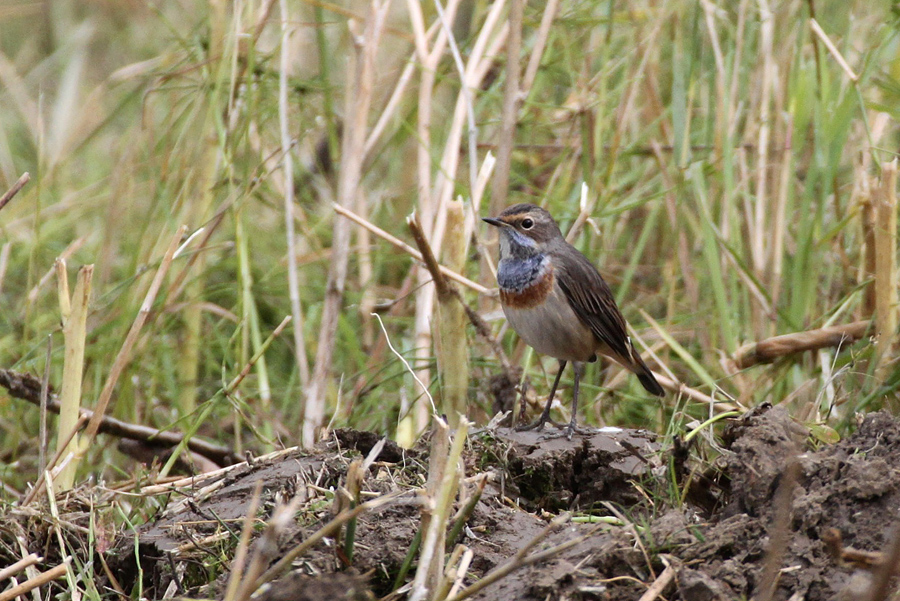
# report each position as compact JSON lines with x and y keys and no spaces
{"x":552,"y":328}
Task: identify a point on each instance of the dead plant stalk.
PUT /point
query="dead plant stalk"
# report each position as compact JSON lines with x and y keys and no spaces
{"x":288,"y":172}
{"x":360,"y":76}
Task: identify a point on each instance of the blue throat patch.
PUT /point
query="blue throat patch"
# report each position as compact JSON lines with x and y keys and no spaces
{"x":516,"y":274}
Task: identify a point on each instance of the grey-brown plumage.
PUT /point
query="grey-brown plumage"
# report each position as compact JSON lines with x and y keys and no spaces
{"x":556,"y":300}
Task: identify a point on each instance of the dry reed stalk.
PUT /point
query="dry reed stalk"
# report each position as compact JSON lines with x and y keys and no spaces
{"x":41,"y":579}
{"x":124,"y":356}
{"x":400,"y":244}
{"x":537,"y":51}
{"x":266,"y":547}
{"x":656,"y":589}
{"x":832,"y":49}
{"x":25,"y":562}
{"x":360,"y":77}
{"x":770,"y":349}
{"x":240,"y":554}
{"x":481,"y":58}
{"x":288,"y":172}
{"x":74,"y":312}
{"x":509,"y":112}
{"x":431,"y":558}
{"x":886,"y":262}
{"x":736,"y":69}
{"x":70,"y":250}
{"x":867,"y":272}
{"x":28,"y":388}
{"x":453,"y":355}
{"x":14,"y":189}
{"x":426,"y":207}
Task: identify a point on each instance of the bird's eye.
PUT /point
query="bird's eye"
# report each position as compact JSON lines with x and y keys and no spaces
{"x":527,"y":223}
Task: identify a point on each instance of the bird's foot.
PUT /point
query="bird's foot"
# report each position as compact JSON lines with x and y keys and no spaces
{"x":538,"y":424}
{"x":573,"y":428}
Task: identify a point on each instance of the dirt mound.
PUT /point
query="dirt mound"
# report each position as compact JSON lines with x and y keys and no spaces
{"x":778,"y":504}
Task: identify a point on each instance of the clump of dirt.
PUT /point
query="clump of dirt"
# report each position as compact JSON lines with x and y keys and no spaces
{"x":545,"y":471}
{"x":787,"y":518}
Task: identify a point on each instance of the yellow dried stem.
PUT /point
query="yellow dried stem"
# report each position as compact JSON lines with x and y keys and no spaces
{"x":885,"y":259}
{"x":770,"y":349}
{"x":453,"y":355}
{"x":74,"y":313}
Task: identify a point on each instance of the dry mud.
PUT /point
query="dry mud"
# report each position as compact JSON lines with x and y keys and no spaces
{"x":759,"y":520}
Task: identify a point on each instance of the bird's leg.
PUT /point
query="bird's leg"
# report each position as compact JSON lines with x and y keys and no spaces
{"x":545,"y":415}
{"x":578,"y":368}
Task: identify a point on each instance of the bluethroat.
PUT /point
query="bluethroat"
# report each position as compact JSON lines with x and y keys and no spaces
{"x":558,"y":303}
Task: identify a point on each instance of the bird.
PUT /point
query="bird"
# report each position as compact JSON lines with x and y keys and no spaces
{"x":558,"y":303}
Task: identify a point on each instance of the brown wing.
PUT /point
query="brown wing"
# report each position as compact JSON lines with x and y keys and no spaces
{"x":593,"y":302}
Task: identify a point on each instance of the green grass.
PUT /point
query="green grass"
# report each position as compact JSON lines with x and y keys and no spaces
{"x":689,"y":236}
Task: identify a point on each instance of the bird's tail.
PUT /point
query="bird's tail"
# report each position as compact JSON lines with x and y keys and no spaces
{"x":644,"y":375}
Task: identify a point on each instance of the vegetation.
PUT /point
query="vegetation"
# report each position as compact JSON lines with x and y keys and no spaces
{"x":727,"y":166}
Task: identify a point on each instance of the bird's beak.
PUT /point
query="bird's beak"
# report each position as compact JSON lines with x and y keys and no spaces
{"x":492,"y":221}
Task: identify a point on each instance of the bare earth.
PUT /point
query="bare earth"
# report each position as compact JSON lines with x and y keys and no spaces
{"x":732,"y":538}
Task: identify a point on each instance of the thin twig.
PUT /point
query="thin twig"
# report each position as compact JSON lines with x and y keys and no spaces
{"x":28,"y":388}
{"x":25,"y":562}
{"x":360,"y":77}
{"x":400,"y":244}
{"x":39,"y":580}
{"x":288,"y":171}
{"x":8,"y":195}
{"x":817,"y":29}
{"x":770,"y":349}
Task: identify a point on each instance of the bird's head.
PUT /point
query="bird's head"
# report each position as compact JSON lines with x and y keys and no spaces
{"x":525,"y":229}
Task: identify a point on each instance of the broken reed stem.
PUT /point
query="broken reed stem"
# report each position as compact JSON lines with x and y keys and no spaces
{"x":38,"y":581}
{"x":16,"y":187}
{"x":360,"y":77}
{"x":659,"y":585}
{"x":453,"y":353}
{"x":832,"y":49}
{"x":451,"y":340}
{"x":74,"y":312}
{"x":770,"y":349}
{"x":427,"y":572}
{"x":288,"y":172}
{"x":431,"y":560}
{"x":867,"y":217}
{"x":400,"y":244}
{"x":885,"y":261}
{"x":25,"y":562}
{"x":266,"y":547}
{"x":240,"y":555}
{"x":124,"y":357}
